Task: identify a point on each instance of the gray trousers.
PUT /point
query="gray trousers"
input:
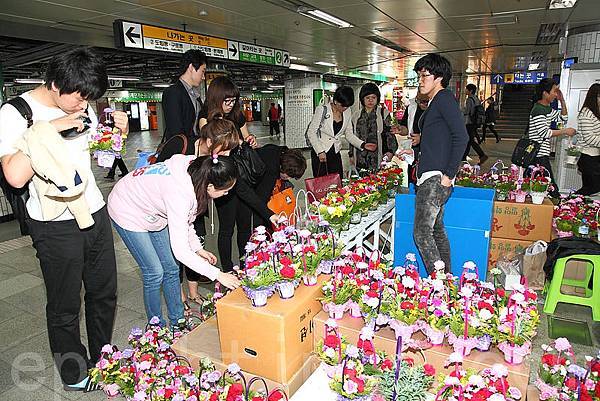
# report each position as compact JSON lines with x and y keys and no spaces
{"x":429,"y":231}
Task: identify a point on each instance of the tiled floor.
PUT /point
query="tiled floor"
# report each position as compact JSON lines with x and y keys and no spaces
{"x":26,"y":368}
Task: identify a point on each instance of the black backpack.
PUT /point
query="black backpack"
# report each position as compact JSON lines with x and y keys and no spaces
{"x":478,"y":115}
{"x":17,"y":197}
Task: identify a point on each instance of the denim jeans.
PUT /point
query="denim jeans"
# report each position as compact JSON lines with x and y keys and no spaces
{"x":429,"y":231}
{"x":152,"y":252}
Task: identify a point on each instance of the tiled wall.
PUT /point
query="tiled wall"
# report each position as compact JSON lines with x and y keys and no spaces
{"x":585,"y":46}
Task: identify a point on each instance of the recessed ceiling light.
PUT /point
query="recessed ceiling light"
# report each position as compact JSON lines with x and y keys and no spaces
{"x":271,"y":86}
{"x":202,"y":13}
{"x":555,"y":4}
{"x":266,"y":91}
{"x":326,"y":64}
{"x":323,"y":17}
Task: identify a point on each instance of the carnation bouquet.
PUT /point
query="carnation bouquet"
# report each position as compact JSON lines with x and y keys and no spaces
{"x":553,"y":369}
{"x":350,"y":380}
{"x":405,"y":382}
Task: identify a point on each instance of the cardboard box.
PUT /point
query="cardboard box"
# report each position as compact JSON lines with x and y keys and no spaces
{"x":203,"y":342}
{"x":385,"y":339}
{"x":500,"y":246}
{"x":273,"y":341}
{"x":522,"y":221}
{"x":532,"y":393}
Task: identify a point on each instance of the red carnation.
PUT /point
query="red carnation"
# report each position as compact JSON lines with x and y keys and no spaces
{"x":571,"y":383}
{"x":500,"y":292}
{"x":182,"y":370}
{"x":597,"y":389}
{"x":350,"y":373}
{"x":400,"y":287}
{"x":387,"y":364}
{"x":481,"y":395}
{"x":367,"y":347}
{"x":596,"y":367}
{"x":276,"y":396}
{"x":429,"y":369}
{"x":331,"y":341}
{"x":168,"y":393}
{"x":360,"y":385}
{"x":422,"y":305}
{"x":256,"y":398}
{"x":347,"y":270}
{"x":372,"y":294}
{"x":501,"y":385}
{"x":407,"y":305}
{"x":287,"y":272}
{"x":214,"y":396}
{"x":531,"y":295}
{"x":286,"y":261}
{"x":409,"y":361}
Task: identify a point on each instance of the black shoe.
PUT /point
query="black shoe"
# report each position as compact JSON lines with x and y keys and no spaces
{"x":483,"y":159}
{"x":497,"y":140}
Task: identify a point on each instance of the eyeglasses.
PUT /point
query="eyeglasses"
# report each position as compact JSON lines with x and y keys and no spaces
{"x":230,"y":101}
{"x":424,"y":75}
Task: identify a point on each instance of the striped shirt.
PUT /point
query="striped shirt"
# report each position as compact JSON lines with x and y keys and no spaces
{"x":588,"y":126}
{"x":540,"y":119}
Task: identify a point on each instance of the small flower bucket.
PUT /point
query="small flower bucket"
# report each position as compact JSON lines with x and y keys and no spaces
{"x":514,"y":354}
{"x":309,"y":280}
{"x":286,"y":289}
{"x":105,"y":158}
{"x":434,"y":336}
{"x":537,"y":198}
{"x":520,"y":196}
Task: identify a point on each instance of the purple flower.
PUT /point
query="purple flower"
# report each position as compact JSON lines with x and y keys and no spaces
{"x":234,"y":369}
{"x":438,"y":313}
{"x":562,"y":344}
{"x":213,"y":376}
{"x":155,"y":320}
{"x":577,"y":371}
{"x":514,"y":393}
{"x":127,"y":353}
{"x":178,"y":397}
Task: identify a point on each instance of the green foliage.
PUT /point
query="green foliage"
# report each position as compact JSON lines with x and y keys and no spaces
{"x":412,"y":383}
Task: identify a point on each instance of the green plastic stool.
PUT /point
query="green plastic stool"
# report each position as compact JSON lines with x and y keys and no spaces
{"x":591,"y":298}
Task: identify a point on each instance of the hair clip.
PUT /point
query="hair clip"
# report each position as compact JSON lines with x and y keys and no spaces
{"x":215,"y":158}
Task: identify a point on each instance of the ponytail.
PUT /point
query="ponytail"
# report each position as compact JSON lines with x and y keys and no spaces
{"x":219,"y":171}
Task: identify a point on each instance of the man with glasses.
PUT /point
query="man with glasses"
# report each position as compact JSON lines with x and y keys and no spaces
{"x":181,"y":101}
{"x":443,"y":141}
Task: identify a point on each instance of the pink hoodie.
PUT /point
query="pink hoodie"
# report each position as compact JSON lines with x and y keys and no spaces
{"x":152,"y":197}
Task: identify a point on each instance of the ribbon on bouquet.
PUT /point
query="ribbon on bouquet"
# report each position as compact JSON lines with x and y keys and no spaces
{"x":398,"y":361}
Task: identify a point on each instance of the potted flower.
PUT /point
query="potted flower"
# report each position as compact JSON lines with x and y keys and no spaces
{"x":553,"y":369}
{"x":462,"y":334}
{"x":405,"y":382}
{"x":503,"y":188}
{"x":331,"y":348}
{"x":404,"y":314}
{"x":306,"y":255}
{"x":350,"y":381}
{"x":573,"y":153}
{"x":539,"y":188}
{"x":438,"y":312}
{"x":289,"y":277}
{"x":336,"y":293}
{"x":521,"y":191}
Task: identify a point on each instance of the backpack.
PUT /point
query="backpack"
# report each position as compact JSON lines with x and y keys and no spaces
{"x":17,"y":197}
{"x":478,"y":114}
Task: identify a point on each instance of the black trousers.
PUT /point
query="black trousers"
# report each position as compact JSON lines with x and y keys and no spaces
{"x":332,"y":166}
{"x":117,"y":163}
{"x":589,"y":166}
{"x":232,"y":213}
{"x":69,"y":257}
{"x":492,"y":129}
{"x":472,"y":130}
{"x":544,"y":161}
{"x":273,"y":126}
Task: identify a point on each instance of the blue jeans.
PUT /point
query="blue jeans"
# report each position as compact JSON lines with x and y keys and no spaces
{"x":152,"y":252}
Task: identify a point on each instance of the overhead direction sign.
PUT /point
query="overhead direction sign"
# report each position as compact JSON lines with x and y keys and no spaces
{"x":150,"y":37}
{"x":526,"y":77}
{"x":498,"y":79}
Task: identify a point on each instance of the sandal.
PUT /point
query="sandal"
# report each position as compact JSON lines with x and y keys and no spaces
{"x":199,"y":300}
{"x":187,"y":311}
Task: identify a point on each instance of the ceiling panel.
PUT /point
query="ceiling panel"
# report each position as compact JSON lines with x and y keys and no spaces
{"x":427,"y":25}
{"x":448,"y":8}
{"x":405,"y":9}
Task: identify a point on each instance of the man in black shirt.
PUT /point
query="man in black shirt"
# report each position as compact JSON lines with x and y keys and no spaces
{"x":443,"y":141}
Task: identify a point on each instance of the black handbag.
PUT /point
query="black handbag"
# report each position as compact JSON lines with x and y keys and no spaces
{"x":525,"y":151}
{"x":250,"y":166}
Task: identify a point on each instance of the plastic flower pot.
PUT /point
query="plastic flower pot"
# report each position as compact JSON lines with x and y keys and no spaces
{"x":564,"y":234}
{"x":258,"y":297}
{"x":391,"y":193}
{"x":105,"y":158}
{"x":520,"y":196}
{"x":354,"y":309}
{"x":356,"y":218}
{"x":501,"y":196}
{"x":571,"y":159}
{"x":364,"y":212}
{"x":286,"y":289}
{"x":329,"y":369}
{"x":434,"y":336}
{"x":374,"y":205}
{"x":462,"y":345}
{"x":325,"y":266}
{"x":537,"y":198}
{"x":515,"y":354}
{"x":336,"y":311}
{"x":484,"y":343}
{"x":309,"y":280}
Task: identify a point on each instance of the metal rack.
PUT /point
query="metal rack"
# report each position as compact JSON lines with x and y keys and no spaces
{"x":567,"y":175}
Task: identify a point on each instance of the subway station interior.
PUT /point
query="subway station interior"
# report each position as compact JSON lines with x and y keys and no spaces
{"x":289,"y":57}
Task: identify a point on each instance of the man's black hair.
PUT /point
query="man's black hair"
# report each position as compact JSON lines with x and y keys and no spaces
{"x":196,"y":58}
{"x":344,"y":95}
{"x":472,"y":88}
{"x":437,"y":65}
{"x":545,"y":85}
{"x":79,"y":70}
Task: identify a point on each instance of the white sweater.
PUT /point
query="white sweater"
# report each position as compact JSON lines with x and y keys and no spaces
{"x":588,"y":126}
{"x":327,"y":138}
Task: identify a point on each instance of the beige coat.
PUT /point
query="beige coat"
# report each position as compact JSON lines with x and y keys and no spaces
{"x":57,"y":182}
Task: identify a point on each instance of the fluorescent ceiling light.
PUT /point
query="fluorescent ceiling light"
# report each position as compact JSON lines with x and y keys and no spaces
{"x":161,"y":85}
{"x":276,"y":86}
{"x":326,"y":64}
{"x":555,"y":4}
{"x":266,"y":91}
{"x":300,"y":67}
{"x":324,"y":17}
{"x":369,"y":72}
{"x":123,"y":78}
{"x":29,"y":81}
{"x":533,"y":66}
{"x":295,"y":58}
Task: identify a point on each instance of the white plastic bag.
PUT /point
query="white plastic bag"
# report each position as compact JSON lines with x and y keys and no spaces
{"x":510,"y":268}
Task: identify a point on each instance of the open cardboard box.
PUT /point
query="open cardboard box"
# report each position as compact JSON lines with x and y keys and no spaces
{"x":385,"y":339}
{"x":203,"y":342}
{"x":522,"y":221}
{"x":273,"y":341}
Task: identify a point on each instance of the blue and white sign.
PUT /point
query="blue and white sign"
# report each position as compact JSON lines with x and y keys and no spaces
{"x":526,"y":77}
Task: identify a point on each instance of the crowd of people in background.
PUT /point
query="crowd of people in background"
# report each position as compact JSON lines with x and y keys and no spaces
{"x":208,"y":159}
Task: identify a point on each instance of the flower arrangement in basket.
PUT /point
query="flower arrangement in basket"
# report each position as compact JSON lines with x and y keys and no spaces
{"x":517,"y":324}
{"x":332,"y":347}
{"x":573,"y":153}
{"x":438,"y":309}
{"x":334,"y":209}
{"x":351,"y":382}
{"x":539,"y":184}
{"x":259,"y":276}
{"x":107,"y":141}
{"x":553,"y":369}
{"x":570,"y":212}
{"x":337,"y":291}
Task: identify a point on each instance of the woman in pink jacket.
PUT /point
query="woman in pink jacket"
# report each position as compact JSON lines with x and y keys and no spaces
{"x":153,"y":209}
